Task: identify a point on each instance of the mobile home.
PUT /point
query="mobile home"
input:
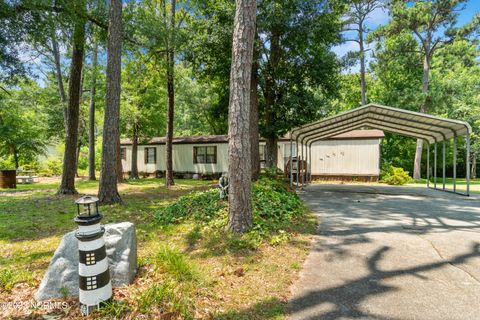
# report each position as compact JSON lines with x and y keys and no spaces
{"x":353,"y":155}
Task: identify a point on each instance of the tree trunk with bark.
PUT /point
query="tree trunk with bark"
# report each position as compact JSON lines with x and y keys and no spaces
{"x":59,"y":76}
{"x":119,"y":160}
{"x":363,"y":82}
{"x":91,"y":117}
{"x":134,"y":169}
{"x":358,"y":13}
{"x":271,"y":152}
{"x":254,"y":127}
{"x":67,"y":185}
{"x":171,"y":99}
{"x":79,"y":148}
{"x":270,"y":95}
{"x":16,"y":158}
{"x":417,"y":168}
{"x":239,"y":147}
{"x":108,"y":191}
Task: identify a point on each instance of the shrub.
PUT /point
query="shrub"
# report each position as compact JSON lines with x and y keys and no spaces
{"x":274,"y":208}
{"x":7,"y":164}
{"x":83,"y":162}
{"x":395,"y":176}
{"x":274,"y":205}
{"x":31,"y":166}
{"x":201,"y":206}
{"x":51,"y":167}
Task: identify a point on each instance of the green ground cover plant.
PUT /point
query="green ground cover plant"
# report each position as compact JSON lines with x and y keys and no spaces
{"x":275,"y":208}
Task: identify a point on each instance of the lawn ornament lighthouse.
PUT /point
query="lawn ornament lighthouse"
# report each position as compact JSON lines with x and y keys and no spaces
{"x":94,"y":277}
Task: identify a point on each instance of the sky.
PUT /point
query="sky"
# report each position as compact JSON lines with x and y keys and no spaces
{"x":380,"y":17}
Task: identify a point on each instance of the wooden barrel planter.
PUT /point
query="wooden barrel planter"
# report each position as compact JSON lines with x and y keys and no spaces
{"x":8,"y":179}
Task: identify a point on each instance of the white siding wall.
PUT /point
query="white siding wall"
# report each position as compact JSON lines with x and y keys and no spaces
{"x":182,"y":159}
{"x":344,"y":157}
{"x":329,"y":157}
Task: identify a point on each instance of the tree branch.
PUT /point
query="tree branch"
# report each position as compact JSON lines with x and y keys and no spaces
{"x":352,"y":40}
{"x":5,"y":90}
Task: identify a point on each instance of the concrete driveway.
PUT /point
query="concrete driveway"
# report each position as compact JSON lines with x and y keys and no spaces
{"x":390,"y":253}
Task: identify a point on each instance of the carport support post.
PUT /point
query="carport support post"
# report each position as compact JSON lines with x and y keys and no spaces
{"x":296,"y":153}
{"x":301,"y":164}
{"x":435,"y":167}
{"x":310,"y":164}
{"x":455,"y":164}
{"x":291,"y":158}
{"x":305,"y":179}
{"x":428,"y":165}
{"x":443,"y":164}
{"x":467,"y":138}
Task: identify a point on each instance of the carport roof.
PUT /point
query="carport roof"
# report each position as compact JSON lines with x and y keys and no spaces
{"x":404,"y":122}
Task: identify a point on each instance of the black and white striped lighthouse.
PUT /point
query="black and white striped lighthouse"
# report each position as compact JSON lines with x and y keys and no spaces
{"x":94,"y":276}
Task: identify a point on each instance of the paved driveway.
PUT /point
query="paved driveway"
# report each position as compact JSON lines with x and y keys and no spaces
{"x":390,"y":253}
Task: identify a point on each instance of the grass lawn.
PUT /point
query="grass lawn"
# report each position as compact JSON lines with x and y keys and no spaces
{"x":461,"y":184}
{"x":187,"y":269}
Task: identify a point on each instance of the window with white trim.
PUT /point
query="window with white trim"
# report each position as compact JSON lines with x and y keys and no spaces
{"x":207,"y":154}
{"x":150,"y":155}
{"x":261,"y":150}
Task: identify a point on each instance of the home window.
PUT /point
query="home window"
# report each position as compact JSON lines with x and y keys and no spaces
{"x":205,"y":154}
{"x":91,"y":283}
{"x":150,"y":155}
{"x":123,"y":153}
{"x":286,"y":150}
{"x":261,"y":150}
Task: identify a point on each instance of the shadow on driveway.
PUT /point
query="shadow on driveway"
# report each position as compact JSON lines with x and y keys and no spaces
{"x":390,"y":253}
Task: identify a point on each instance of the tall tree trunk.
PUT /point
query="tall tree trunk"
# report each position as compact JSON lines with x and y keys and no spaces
{"x":171,"y":99}
{"x":254,"y":127}
{"x":119,"y":160}
{"x":59,"y":76}
{"x":271,"y":152}
{"x":270,"y":99}
{"x":91,"y":126}
{"x":16,"y":158}
{"x":134,"y":168}
{"x":108,"y":191}
{"x":67,"y":185}
{"x":417,"y":168}
{"x":239,"y":148}
{"x":79,"y":148}
{"x":363,"y":83}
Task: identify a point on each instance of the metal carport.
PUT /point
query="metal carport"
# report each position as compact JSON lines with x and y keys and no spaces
{"x":428,"y":128}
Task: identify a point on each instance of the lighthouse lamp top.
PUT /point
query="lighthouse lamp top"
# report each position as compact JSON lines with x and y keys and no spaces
{"x":89,"y":204}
